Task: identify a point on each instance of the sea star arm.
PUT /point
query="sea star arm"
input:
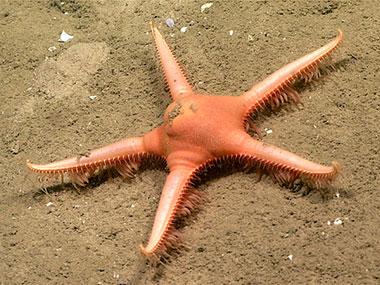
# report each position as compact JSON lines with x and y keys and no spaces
{"x":178,"y":84}
{"x":284,"y":167}
{"x":178,"y":199}
{"x":125,"y":156}
{"x":277,"y":88}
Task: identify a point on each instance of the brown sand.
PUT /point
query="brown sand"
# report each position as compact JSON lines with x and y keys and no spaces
{"x":247,"y":232}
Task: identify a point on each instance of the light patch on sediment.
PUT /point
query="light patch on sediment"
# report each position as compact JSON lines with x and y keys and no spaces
{"x":72,"y":69}
{"x":66,"y":76}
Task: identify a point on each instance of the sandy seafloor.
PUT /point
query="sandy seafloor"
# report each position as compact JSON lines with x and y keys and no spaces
{"x":248,"y":230}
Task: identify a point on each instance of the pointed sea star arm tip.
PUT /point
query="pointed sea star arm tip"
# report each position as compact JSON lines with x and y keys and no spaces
{"x":284,"y":166}
{"x":124,"y":156}
{"x":175,"y":75}
{"x":179,"y":198}
{"x":277,"y":88}
{"x":340,"y":34}
{"x":32,"y":166}
{"x":142,"y":250}
{"x":336,"y":166}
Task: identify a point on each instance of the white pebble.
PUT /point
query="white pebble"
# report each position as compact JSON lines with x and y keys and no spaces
{"x":49,"y":204}
{"x":205,"y":6}
{"x":338,"y":221}
{"x":290,"y":257}
{"x":269,"y":131}
{"x":169,"y":22}
{"x":183,"y":29}
{"x":231,"y":32}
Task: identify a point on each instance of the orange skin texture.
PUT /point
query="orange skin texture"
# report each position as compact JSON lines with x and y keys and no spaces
{"x":199,"y":132}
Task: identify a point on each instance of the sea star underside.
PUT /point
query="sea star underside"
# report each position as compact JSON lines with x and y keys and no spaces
{"x":200,"y":132}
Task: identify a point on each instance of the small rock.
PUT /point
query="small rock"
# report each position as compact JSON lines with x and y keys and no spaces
{"x":205,"y":6}
{"x":169,"y":22}
{"x":15,"y":149}
{"x":338,"y":221}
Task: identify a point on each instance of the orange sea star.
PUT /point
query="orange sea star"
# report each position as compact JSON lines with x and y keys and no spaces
{"x":199,"y":132}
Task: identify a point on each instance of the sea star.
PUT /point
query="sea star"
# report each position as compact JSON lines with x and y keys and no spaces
{"x":200,"y":132}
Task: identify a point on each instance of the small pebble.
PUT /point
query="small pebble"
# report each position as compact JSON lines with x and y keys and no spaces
{"x":205,"y":6}
{"x":338,"y":221}
{"x":183,"y":29}
{"x":169,"y":22}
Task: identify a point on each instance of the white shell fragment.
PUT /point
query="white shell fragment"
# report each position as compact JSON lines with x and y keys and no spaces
{"x":231,"y":32}
{"x":49,"y":204}
{"x":65,"y":37}
{"x":92,"y":97}
{"x":290,"y":257}
{"x":169,"y":22}
{"x":205,"y":6}
{"x":338,"y":221}
{"x":52,"y":48}
{"x":183,"y":29}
